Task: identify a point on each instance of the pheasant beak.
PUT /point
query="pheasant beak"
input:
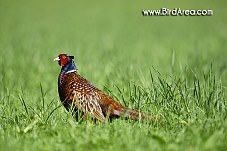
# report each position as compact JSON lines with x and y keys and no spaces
{"x":57,"y":59}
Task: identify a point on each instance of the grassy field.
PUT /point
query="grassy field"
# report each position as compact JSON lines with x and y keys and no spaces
{"x":173,"y":66}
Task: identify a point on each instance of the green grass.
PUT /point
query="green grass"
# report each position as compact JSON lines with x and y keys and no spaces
{"x":173,"y":66}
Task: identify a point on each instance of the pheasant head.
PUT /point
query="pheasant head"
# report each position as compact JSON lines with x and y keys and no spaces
{"x":66,"y":62}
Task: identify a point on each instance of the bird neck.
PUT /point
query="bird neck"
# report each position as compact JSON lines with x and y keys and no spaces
{"x":69,"y":67}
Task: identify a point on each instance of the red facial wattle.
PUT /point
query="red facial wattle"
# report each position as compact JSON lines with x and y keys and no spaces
{"x":63,"y":59}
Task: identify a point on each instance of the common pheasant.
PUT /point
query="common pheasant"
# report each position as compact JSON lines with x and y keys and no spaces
{"x":76,"y":92}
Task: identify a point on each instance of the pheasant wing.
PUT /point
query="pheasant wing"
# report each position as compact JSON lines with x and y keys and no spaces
{"x":82,"y":94}
{"x":88,"y":103}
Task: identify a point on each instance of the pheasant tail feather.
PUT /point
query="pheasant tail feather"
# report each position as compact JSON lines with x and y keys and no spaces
{"x":138,"y":115}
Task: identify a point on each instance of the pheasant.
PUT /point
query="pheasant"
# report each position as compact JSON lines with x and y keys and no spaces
{"x":77,"y":93}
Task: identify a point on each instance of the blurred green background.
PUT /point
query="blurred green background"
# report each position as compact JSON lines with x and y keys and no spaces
{"x":108,"y":35}
{"x":112,"y":43}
